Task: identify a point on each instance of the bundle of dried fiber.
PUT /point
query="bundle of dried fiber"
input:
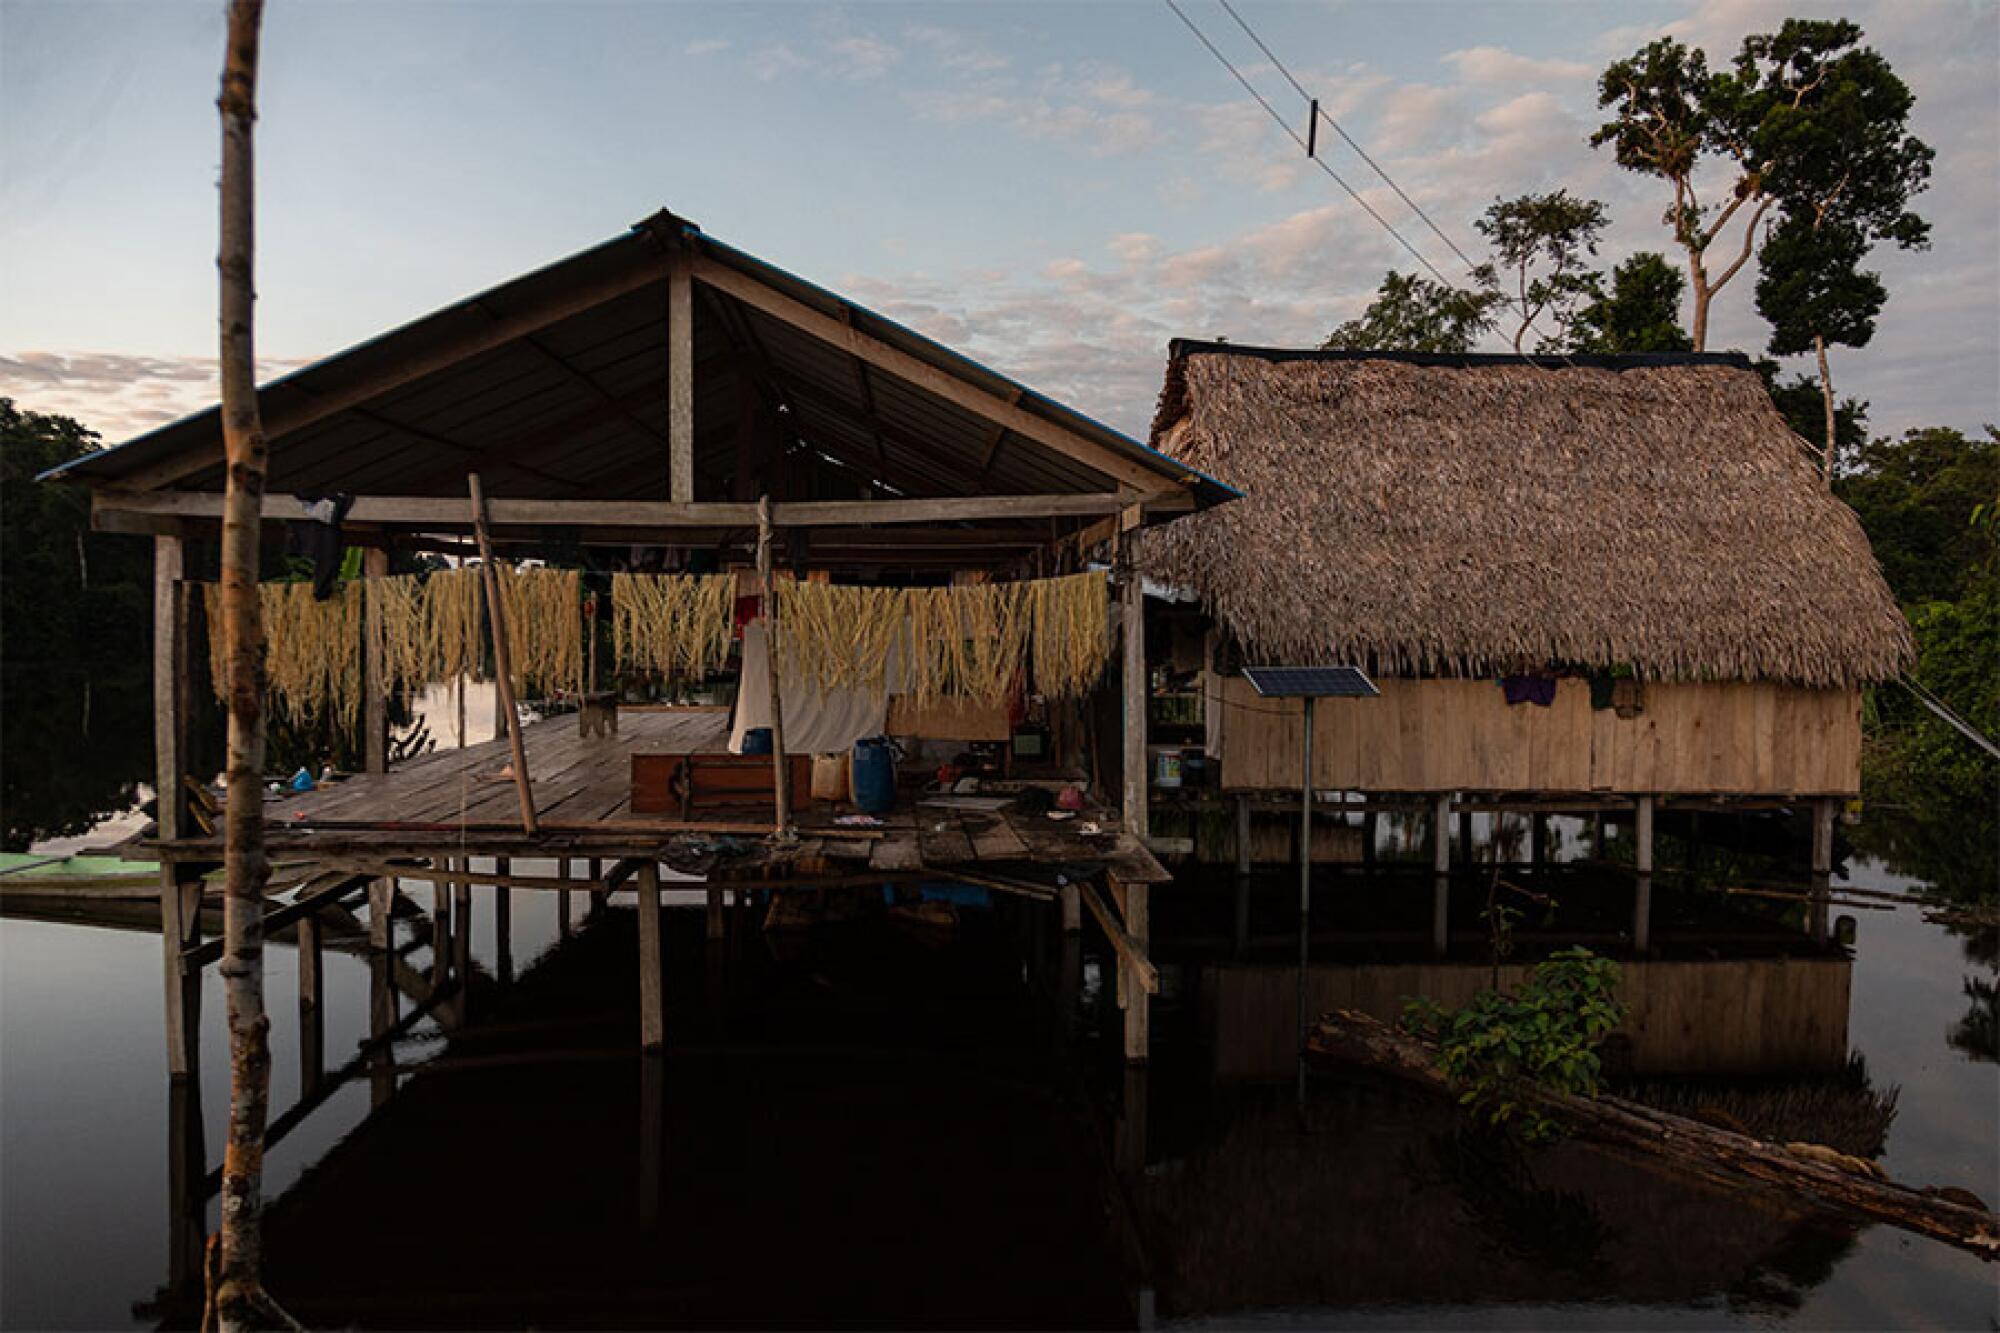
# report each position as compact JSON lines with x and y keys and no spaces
{"x":454,"y":634}
{"x":1071,"y":628}
{"x":312,"y":649}
{"x":673,"y":624}
{"x":544,"y":610}
{"x":993,"y":640}
{"x":402,"y":632}
{"x":842,"y":637}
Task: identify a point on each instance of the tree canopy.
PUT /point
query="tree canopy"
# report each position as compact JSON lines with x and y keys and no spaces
{"x":1541,"y":242}
{"x":1640,"y":313}
{"x":1412,"y":314}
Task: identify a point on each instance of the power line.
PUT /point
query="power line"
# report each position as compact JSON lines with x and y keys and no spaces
{"x":1293,"y":134}
{"x":1360,"y":152}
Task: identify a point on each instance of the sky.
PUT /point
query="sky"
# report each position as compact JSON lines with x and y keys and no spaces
{"x":1055,"y":189}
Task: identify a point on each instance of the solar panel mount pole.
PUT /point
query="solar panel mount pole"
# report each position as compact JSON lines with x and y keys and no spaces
{"x":1305,"y":880}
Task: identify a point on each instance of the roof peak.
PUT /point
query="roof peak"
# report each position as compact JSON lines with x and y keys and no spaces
{"x":1181,"y":347}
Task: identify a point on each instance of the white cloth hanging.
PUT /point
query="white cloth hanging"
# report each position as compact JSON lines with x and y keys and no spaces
{"x":816,"y":721}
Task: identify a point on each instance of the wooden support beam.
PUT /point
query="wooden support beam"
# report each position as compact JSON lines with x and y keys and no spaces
{"x":1132,"y":634}
{"x":780,"y":768}
{"x":295,"y":413}
{"x":680,"y":381}
{"x":170,"y":684}
{"x":1131,"y":953}
{"x":1072,"y":909}
{"x":652,"y":974}
{"x":1141,"y":981}
{"x":503,"y":924}
{"x":180,"y":931}
{"x":920,"y":374}
{"x":1824,"y":811}
{"x":310,"y":939}
{"x":717,"y":920}
{"x":1642,"y":915}
{"x":374,"y":666}
{"x":1441,"y":833}
{"x":1440,"y":915}
{"x":1643,"y":851}
{"x":503,"y":661}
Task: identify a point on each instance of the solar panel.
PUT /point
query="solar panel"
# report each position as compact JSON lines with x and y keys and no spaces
{"x":1335,"y":682}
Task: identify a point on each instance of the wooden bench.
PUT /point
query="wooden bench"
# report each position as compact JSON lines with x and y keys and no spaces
{"x":680,"y":784}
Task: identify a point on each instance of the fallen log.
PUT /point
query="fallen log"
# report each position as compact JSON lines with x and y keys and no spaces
{"x":1811,"y":1171}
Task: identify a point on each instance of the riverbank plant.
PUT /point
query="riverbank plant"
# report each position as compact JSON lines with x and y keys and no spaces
{"x":1503,"y":1047}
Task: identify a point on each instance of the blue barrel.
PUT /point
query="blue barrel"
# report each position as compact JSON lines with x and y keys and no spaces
{"x":873,"y":781}
{"x":757,"y":740}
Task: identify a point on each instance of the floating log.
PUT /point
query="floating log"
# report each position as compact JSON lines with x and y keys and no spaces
{"x":1809,"y":1170}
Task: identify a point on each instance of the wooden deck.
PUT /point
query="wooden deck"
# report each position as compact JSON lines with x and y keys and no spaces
{"x":460,"y":803}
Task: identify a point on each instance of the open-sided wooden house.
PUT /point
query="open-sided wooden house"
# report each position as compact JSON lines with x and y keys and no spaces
{"x":667,"y":392}
{"x":1598,"y":583}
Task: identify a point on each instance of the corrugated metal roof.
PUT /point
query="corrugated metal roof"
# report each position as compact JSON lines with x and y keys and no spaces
{"x":554,"y":385}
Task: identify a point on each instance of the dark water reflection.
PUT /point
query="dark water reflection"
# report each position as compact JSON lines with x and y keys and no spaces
{"x":879,"y":1127}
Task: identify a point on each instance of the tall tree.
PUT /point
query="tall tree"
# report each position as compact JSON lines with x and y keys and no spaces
{"x":1641,"y":312}
{"x":1541,"y":241}
{"x":236,"y":1298}
{"x":1412,"y":314}
{"x":1664,"y":124}
{"x":1830,"y":120}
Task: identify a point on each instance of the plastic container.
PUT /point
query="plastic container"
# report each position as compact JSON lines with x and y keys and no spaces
{"x":829,"y":777}
{"x":1166,"y":768}
{"x":873,"y":778}
{"x":757,"y":740}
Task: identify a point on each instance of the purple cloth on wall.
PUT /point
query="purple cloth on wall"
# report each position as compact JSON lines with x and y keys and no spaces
{"x":1538,"y":689}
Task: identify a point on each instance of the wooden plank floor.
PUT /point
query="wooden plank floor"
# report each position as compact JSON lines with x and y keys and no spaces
{"x":576,"y":779}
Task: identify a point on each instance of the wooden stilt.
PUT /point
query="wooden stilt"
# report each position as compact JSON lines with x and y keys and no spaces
{"x":187,"y":1192}
{"x":180,"y":901}
{"x":1071,"y":905}
{"x":1597,"y":827}
{"x":1130,"y":1148}
{"x":503,"y":923}
{"x":374,"y":672}
{"x":1441,"y":833}
{"x":1465,"y":836}
{"x":1132,"y":901}
{"x":1370,"y":835}
{"x":1440,"y":915}
{"x":382,"y":1005}
{"x":312,"y":1003}
{"x":441,"y":929}
{"x":1643,"y":836}
{"x":1132,"y":635}
{"x":652,"y":975}
{"x":461,"y":945}
{"x":1538,"y":835}
{"x":781,"y":772}
{"x":564,"y":902}
{"x":717,"y":921}
{"x":1824,"y":810}
{"x":1642,"y":916}
{"x":180,"y":929}
{"x":1243,"y":835}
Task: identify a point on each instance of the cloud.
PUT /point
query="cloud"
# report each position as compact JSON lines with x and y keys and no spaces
{"x":117,"y":395}
{"x":1134,"y":247}
{"x":862,"y":57}
{"x":1492,"y":64}
{"x":956,"y":51}
{"x":776,"y":61}
{"x":706,"y":46}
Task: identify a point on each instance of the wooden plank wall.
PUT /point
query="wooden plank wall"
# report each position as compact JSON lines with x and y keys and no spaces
{"x":1461,"y":735}
{"x":1739,"y":1016}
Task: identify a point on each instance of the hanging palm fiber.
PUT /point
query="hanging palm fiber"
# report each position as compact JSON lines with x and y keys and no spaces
{"x":967,"y":642}
{"x":312,"y":649}
{"x":453,"y":626}
{"x":673,"y":624}
{"x":544,"y":610}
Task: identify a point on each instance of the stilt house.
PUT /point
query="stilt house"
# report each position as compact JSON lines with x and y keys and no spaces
{"x":1591,"y":583}
{"x":667,"y":392}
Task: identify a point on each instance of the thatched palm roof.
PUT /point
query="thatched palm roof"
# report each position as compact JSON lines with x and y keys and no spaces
{"x":1476,"y":514}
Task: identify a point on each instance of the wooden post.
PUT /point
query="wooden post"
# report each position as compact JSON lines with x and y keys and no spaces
{"x":441,"y":929}
{"x":1597,"y":827}
{"x":1642,"y":916}
{"x":187,"y":1195}
{"x":1132,"y":631}
{"x":1643,"y":836}
{"x":1441,"y":915}
{"x":381,"y":987}
{"x":1538,"y":837}
{"x":1824,"y":811}
{"x":461,"y":942}
{"x":1132,"y":901}
{"x":312,"y":1002}
{"x":652,"y":976}
{"x":1129,"y":1147}
{"x":180,"y":904}
{"x":374,"y":673}
{"x":1465,"y":836}
{"x":503,"y":922}
{"x":652,"y":1137}
{"x":1441,"y":833}
{"x":780,"y":770}
{"x":1370,"y":835}
{"x":563,"y":905}
{"x":717,"y":921}
{"x":503,"y":661}
{"x":680,"y":381}
{"x":1071,"y":903}
{"x":1243,"y":835}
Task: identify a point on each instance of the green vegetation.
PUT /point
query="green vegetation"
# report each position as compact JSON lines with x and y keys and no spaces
{"x":1416,"y":315}
{"x":1502,"y":1048}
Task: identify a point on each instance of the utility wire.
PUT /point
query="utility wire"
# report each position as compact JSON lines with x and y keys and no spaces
{"x":1293,"y":134}
{"x":1362,"y":153}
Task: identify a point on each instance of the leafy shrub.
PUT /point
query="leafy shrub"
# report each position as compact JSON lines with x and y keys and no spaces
{"x":1502,"y":1047}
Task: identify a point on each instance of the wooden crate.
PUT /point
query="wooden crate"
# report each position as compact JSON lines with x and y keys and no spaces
{"x":676,"y":784}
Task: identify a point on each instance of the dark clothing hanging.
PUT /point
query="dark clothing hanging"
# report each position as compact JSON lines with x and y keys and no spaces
{"x":1602,"y":686}
{"x":1538,"y":689}
{"x":317,"y":538}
